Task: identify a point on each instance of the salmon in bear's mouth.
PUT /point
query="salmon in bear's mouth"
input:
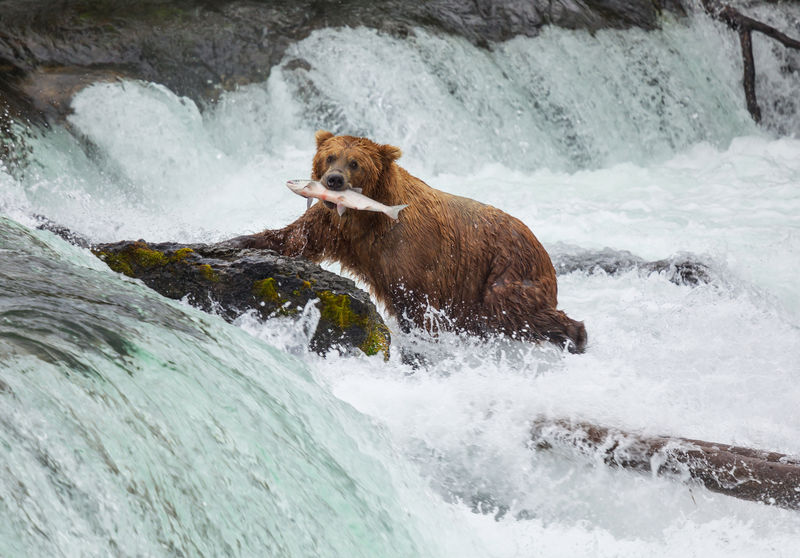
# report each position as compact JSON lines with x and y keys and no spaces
{"x":331,"y":205}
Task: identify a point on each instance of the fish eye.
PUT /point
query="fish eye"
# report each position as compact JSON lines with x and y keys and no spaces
{"x":353,"y":165}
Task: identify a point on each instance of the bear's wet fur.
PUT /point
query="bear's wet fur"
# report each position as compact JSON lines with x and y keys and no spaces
{"x":482,"y":267}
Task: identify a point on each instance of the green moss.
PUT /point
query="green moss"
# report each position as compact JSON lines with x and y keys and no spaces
{"x":336,"y":308}
{"x":378,"y":336}
{"x":117,"y":262}
{"x":266,"y":291}
{"x":208,"y":273}
{"x":146,"y":257}
{"x":138,"y":255}
{"x":305,"y":285}
{"x":180,"y":255}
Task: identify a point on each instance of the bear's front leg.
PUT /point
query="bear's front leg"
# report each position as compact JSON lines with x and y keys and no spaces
{"x":300,"y":238}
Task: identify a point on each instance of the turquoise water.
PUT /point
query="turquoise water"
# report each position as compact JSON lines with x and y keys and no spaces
{"x":133,"y":425}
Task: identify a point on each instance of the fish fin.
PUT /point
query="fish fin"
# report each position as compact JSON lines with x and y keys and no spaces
{"x":357,"y":190}
{"x":394,"y":211}
{"x":340,"y":209}
{"x":309,"y":203}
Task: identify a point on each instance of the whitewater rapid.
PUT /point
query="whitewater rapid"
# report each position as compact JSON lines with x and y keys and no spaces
{"x":626,"y":140}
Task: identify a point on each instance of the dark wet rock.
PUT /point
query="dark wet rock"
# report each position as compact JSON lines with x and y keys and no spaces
{"x":589,"y":261}
{"x":600,"y":14}
{"x":681,"y":269}
{"x":229,"y":281}
{"x":16,"y":112}
{"x":199,"y":47}
{"x":74,"y":238}
{"x":51,"y":89}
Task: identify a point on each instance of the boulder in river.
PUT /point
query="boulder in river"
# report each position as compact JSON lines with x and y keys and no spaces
{"x":230,"y":281}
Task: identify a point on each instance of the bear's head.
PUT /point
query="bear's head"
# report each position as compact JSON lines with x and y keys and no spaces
{"x":350,"y":162}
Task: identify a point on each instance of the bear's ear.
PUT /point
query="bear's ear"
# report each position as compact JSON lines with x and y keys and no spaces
{"x":390,"y":153}
{"x":322,"y":136}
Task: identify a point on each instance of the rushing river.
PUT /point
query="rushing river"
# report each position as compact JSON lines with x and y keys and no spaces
{"x":133,"y":425}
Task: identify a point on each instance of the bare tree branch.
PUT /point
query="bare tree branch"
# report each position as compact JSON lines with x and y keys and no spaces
{"x":749,"y":79}
{"x":745,"y":25}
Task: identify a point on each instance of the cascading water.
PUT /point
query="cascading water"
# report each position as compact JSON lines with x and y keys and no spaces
{"x":131,"y":425}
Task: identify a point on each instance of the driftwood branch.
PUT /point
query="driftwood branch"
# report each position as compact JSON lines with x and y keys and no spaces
{"x":749,"y":79}
{"x":748,"y":474}
{"x":745,"y":26}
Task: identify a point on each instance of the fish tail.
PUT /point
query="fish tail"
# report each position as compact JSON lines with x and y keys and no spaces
{"x":394,"y":211}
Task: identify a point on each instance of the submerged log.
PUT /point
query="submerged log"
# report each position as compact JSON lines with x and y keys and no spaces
{"x":229,"y":281}
{"x":748,"y":474}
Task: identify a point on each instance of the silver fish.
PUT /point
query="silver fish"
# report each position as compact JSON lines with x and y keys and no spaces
{"x":351,"y":197}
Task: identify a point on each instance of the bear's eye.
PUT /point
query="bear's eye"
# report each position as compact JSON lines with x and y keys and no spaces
{"x":330,"y":159}
{"x":353,"y":165}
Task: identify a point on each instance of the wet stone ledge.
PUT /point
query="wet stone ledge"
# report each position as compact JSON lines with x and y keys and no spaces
{"x":198,"y":48}
{"x":229,"y":281}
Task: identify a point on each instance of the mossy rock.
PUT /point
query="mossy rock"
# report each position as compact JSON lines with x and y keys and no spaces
{"x":341,"y":312}
{"x":231,"y":281}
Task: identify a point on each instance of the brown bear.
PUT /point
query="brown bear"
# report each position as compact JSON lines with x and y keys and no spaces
{"x":481,"y":267}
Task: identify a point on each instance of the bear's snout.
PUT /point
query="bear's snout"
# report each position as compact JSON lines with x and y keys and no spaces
{"x":335,"y":181}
